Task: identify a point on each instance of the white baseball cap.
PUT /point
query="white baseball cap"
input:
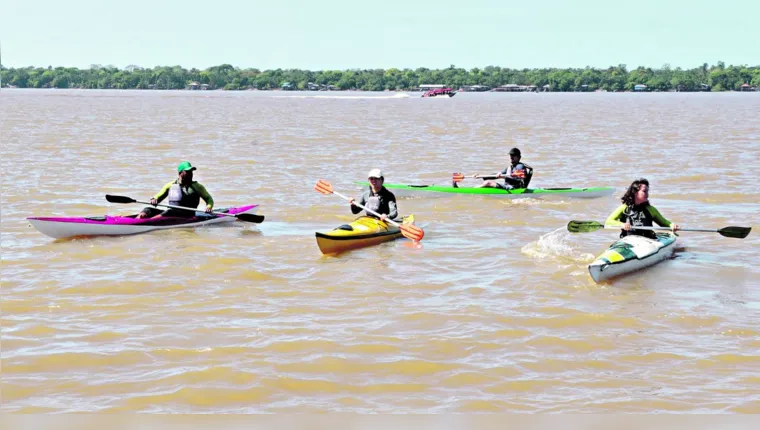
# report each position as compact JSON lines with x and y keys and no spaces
{"x":375,"y":173}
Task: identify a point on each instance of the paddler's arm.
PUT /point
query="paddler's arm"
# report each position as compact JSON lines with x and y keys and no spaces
{"x":201,"y":190}
{"x":490,"y":175}
{"x":392,"y":208}
{"x":500,"y":175}
{"x":615,"y":218}
{"x":163,"y":193}
{"x":356,"y":209}
{"x":659,"y":219}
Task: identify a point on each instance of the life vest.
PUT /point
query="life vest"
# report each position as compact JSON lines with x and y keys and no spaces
{"x":184,"y":196}
{"x":522,"y":175}
{"x":373,"y":203}
{"x":638,"y":216}
{"x":379,"y":202}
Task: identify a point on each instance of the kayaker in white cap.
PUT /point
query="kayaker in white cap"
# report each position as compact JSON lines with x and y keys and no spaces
{"x":377,"y":198}
{"x":181,"y":192}
{"x":637,"y":212}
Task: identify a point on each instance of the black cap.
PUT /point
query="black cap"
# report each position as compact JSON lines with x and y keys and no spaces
{"x":514,"y":151}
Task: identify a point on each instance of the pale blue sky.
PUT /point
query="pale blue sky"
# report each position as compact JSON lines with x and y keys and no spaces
{"x":342,"y":34}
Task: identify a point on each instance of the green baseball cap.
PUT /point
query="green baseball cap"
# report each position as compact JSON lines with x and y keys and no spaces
{"x":185,"y":165}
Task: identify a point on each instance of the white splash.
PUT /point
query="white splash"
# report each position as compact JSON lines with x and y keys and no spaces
{"x":554,"y":245}
{"x":532,"y":201}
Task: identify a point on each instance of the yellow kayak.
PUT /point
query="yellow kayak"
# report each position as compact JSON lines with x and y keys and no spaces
{"x":363,"y":231}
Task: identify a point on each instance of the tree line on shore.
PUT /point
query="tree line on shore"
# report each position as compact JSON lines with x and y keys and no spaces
{"x":717,"y":77}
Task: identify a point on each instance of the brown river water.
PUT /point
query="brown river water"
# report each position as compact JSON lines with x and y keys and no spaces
{"x":494,"y":311}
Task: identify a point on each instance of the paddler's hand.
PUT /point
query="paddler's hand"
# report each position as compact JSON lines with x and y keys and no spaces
{"x":154,"y":202}
{"x":208,"y":209}
{"x":675,"y":227}
{"x":351,"y":201}
{"x":383,"y":217}
{"x":627,"y":226}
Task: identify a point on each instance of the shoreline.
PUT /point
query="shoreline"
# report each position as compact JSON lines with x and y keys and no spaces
{"x":277,"y":90}
{"x":705,"y":78}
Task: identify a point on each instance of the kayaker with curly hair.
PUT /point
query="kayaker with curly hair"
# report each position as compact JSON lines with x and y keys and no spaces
{"x":636,"y":211}
{"x":181,"y":192}
{"x":377,"y":198}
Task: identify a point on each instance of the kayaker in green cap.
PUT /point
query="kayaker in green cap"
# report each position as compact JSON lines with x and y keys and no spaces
{"x":181,"y":192}
{"x":516,"y":175}
{"x":636,"y":211}
{"x":377,"y":198}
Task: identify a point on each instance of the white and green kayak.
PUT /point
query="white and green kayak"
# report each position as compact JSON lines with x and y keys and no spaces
{"x":400,"y":190}
{"x":630,"y":254}
{"x":633,"y":252}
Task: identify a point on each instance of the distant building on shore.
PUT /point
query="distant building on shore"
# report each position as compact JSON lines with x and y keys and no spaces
{"x":747,"y":87}
{"x":195,"y":85}
{"x":474,"y":88}
{"x":701,"y":87}
{"x":640,"y":87}
{"x":514,"y":88}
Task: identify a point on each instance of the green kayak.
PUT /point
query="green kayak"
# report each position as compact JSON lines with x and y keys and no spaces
{"x":401,"y":190}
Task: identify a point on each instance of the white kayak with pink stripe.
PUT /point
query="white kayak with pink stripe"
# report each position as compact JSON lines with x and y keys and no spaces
{"x":64,"y":227}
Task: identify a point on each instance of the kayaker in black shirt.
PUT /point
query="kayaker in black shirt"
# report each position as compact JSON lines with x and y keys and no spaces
{"x":516,"y":175}
{"x":637,"y":212}
{"x":377,"y":198}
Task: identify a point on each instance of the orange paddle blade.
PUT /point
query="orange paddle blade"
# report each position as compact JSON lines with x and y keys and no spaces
{"x":458,"y":177}
{"x":412,"y":232}
{"x":323,"y":187}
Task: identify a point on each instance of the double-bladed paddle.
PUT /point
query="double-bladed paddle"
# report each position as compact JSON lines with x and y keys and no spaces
{"x":258,"y":219}
{"x":459,"y":177}
{"x":589,"y":226}
{"x":409,"y":231}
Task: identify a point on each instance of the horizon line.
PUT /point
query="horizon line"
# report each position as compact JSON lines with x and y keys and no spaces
{"x":627,"y":66}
